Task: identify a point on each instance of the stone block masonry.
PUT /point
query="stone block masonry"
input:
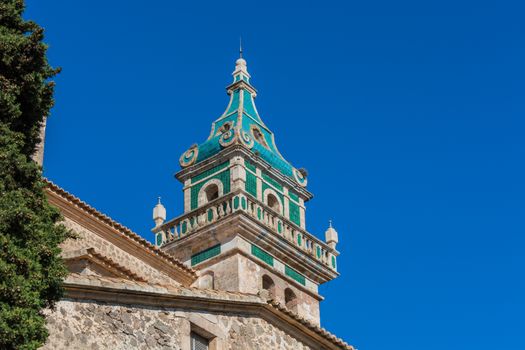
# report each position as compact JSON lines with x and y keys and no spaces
{"x":92,"y":325}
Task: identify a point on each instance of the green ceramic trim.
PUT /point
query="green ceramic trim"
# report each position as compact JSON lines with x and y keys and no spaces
{"x":272,"y":182}
{"x":210,"y":172}
{"x":205,"y":255}
{"x":293,"y":196}
{"x":295,"y":215}
{"x":251,"y":184}
{"x":294,"y":275}
{"x":261,"y":254}
{"x":266,"y":185}
{"x":250,"y":166}
{"x":223,"y":177}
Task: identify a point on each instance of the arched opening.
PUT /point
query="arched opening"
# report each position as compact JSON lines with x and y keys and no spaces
{"x":212,"y":192}
{"x":273,"y":202}
{"x":269,"y":285}
{"x":290,"y":299}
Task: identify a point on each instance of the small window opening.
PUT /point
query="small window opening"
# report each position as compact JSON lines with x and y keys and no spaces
{"x":290,"y":299}
{"x":212,"y":192}
{"x":273,"y":203}
{"x":199,"y":342}
{"x":269,"y":285}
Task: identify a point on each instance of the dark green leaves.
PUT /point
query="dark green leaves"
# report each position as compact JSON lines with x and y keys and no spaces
{"x":31,"y":270}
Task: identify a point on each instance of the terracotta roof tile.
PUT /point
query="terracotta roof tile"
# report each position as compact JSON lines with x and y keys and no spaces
{"x":121,"y":228}
{"x":319,"y":330}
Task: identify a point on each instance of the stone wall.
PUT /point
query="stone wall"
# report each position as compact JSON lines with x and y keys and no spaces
{"x":89,"y":325}
{"x":307,"y":306}
{"x":237,"y":273}
{"x":89,"y":239}
{"x":79,"y":324}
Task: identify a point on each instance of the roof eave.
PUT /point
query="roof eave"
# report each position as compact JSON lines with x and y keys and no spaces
{"x":190,"y":171}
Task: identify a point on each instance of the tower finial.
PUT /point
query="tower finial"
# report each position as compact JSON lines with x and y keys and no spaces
{"x":159,"y":213}
{"x":331,"y":236}
{"x":240,"y":46}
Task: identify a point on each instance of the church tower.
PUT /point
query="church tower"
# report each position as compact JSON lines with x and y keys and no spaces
{"x":244,"y":222}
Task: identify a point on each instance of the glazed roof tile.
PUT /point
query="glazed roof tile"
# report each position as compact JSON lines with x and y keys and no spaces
{"x":241,"y":124}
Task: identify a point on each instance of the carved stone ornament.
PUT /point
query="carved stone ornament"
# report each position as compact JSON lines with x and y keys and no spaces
{"x":247,"y":139}
{"x":227,"y":138}
{"x":298,"y":176}
{"x":189,"y":157}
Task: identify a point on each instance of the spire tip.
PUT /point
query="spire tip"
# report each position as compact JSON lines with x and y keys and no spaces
{"x":240,"y":46}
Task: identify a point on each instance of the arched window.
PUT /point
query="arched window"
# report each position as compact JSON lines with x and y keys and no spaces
{"x":269,"y":285}
{"x":273,"y":203}
{"x":212,"y":192}
{"x":290,"y":299}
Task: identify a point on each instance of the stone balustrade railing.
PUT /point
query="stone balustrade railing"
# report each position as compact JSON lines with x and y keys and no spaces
{"x":209,"y":213}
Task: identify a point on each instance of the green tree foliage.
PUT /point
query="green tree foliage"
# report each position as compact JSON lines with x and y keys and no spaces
{"x":31,"y":271}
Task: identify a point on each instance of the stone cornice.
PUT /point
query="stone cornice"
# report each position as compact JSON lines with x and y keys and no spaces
{"x":234,"y":251}
{"x":114,"y":290}
{"x":91,"y":255}
{"x":240,"y":149}
{"x":241,"y":84}
{"x":119,"y":235}
{"x":249,"y":228}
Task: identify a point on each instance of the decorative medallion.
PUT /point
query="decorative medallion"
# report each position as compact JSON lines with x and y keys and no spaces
{"x":224,"y":128}
{"x":189,"y":157}
{"x":246,"y":139}
{"x":299,"y":177}
{"x":227,"y":138}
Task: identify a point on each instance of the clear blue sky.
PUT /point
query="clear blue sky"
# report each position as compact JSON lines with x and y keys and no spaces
{"x":409,"y":117}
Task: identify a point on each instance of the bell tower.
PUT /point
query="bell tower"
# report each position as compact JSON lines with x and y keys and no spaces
{"x":243,"y":226}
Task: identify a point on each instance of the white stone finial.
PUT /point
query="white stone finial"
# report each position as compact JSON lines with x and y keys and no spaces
{"x":159,"y":213}
{"x":240,"y":64}
{"x":331,"y":236}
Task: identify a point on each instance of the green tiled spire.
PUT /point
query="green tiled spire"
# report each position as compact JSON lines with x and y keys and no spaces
{"x":242,"y":124}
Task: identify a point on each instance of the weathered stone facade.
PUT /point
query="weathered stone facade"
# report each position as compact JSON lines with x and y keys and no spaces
{"x":78,"y":324}
{"x":87,"y":239}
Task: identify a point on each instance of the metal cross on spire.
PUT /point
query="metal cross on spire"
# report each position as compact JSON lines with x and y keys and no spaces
{"x":240,"y":47}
